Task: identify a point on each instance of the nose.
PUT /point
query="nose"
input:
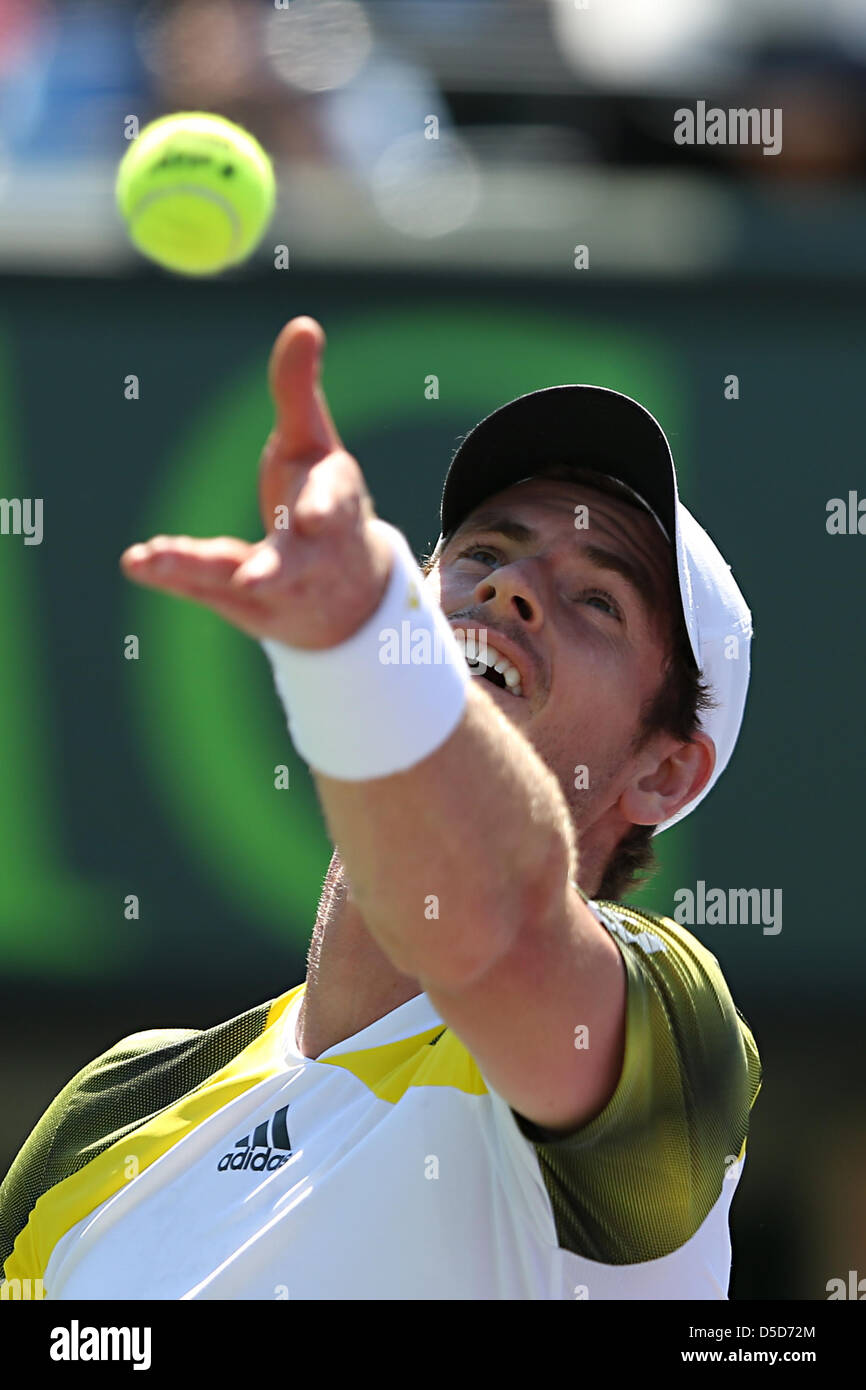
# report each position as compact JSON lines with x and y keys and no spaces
{"x":511,"y":593}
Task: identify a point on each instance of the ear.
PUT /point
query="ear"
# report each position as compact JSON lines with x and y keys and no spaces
{"x":668,"y":776}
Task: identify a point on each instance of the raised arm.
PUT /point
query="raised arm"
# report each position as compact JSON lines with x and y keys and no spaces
{"x":510,"y":955}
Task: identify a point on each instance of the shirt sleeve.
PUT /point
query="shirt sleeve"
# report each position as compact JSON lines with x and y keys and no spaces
{"x":636,"y":1182}
{"x":93,"y":1109}
{"x":107,"y":1099}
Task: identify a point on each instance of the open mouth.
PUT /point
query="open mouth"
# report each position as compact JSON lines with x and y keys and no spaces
{"x":497,"y":669}
{"x":487,"y":673}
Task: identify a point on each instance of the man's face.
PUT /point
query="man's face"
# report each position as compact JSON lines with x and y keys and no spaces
{"x":587,"y":610}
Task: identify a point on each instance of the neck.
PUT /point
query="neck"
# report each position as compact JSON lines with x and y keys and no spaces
{"x":350,"y":981}
{"x":592,"y":859}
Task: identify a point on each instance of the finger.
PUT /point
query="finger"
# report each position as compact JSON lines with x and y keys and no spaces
{"x":303,"y":422}
{"x":261,"y":568}
{"x":244,"y":611}
{"x":303,"y":432}
{"x":204,"y":572}
{"x":296,"y":499}
{"x":177,"y":562}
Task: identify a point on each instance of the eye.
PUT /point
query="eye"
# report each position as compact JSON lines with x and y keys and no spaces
{"x":588,"y":595}
{"x":598,"y":596}
{"x":476,"y":549}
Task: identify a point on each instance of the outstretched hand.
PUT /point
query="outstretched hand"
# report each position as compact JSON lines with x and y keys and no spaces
{"x":321,"y":570}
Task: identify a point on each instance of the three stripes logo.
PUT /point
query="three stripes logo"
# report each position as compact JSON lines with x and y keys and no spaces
{"x":257,"y":1151}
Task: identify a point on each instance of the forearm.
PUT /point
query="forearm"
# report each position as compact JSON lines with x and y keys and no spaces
{"x":448,"y":859}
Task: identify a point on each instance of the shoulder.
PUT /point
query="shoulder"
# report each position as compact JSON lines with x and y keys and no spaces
{"x":638,"y":1179}
{"x":664,"y":958}
{"x":112,"y":1095}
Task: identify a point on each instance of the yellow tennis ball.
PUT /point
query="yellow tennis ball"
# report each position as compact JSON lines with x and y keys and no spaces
{"x":196,"y":191}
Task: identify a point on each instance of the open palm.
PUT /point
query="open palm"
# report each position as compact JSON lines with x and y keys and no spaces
{"x":321,"y":569}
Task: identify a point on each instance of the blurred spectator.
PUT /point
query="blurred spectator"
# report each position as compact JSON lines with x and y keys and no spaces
{"x":345,"y":81}
{"x":69,"y":74}
{"x":821,"y":91}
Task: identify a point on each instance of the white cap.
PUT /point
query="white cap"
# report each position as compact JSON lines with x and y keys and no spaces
{"x":719,"y":625}
{"x":593,"y":427}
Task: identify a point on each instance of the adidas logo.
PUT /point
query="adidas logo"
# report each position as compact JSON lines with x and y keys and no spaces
{"x":257,"y":1151}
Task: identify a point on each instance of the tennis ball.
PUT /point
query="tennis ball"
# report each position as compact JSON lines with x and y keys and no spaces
{"x":196,"y":192}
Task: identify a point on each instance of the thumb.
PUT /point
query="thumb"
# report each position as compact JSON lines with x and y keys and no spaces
{"x":304,"y":431}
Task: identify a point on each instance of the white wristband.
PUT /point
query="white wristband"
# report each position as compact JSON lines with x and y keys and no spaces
{"x":385,"y":698}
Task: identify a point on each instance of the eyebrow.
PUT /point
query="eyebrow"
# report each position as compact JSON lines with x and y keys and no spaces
{"x":502,"y":525}
{"x":632,"y":571}
{"x":635,"y":574}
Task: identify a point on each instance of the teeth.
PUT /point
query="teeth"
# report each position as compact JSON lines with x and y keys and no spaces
{"x":496,"y":660}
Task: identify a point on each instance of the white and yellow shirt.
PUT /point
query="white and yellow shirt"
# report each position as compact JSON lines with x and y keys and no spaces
{"x":221,"y":1164}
